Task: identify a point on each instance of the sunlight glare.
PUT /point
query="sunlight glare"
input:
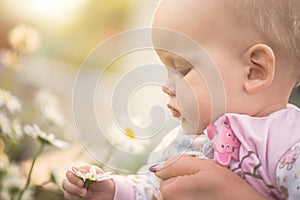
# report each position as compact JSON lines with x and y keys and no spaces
{"x":54,"y":11}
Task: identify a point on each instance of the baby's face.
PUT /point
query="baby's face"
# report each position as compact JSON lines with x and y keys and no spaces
{"x":189,"y":97}
{"x":210,"y":25}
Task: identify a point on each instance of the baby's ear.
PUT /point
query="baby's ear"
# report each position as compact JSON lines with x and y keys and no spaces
{"x":260,"y":71}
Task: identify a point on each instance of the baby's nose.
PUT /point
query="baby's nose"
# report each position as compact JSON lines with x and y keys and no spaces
{"x":168,"y":91}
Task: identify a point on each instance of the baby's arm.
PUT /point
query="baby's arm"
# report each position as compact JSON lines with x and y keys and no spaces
{"x":143,"y":185}
{"x":288,"y":173}
{"x":134,"y":187}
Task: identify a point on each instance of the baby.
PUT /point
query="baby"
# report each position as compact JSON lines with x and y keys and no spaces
{"x":254,"y":45}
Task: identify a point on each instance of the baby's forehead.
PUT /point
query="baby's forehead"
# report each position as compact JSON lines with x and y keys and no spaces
{"x":190,"y":60}
{"x":204,"y":21}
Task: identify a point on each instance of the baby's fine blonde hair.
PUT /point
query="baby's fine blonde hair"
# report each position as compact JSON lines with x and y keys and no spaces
{"x":277,"y":21}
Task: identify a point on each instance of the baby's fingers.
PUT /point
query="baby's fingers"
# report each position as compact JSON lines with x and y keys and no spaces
{"x":72,"y":189}
{"x":74,"y":179}
{"x":68,"y":196}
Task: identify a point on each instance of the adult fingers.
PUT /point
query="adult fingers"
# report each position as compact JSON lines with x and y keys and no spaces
{"x":209,"y":185}
{"x":177,"y":188}
{"x":184,"y":165}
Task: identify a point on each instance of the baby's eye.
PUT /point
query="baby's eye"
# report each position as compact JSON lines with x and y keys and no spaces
{"x":183,"y":71}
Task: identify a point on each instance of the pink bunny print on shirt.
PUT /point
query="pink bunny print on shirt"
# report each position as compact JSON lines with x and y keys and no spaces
{"x":225,"y":144}
{"x":289,"y":158}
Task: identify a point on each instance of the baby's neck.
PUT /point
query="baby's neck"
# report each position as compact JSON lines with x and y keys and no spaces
{"x":270,"y":109}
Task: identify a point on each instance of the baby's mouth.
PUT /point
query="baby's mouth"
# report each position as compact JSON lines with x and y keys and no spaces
{"x":174,"y":111}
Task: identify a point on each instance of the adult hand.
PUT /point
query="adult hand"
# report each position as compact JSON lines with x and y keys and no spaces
{"x":192,"y":179}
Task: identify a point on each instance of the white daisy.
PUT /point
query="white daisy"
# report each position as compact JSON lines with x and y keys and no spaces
{"x":92,"y":175}
{"x":24,"y":39}
{"x":14,"y":183}
{"x":12,"y":129}
{"x":11,"y":102}
{"x":49,"y":107}
{"x":16,"y":128}
{"x":5,"y":125}
{"x":10,"y":59}
{"x":36,"y":133}
{"x":127,"y":139}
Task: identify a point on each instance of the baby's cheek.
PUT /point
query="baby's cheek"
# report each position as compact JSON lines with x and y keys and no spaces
{"x":204,"y":106}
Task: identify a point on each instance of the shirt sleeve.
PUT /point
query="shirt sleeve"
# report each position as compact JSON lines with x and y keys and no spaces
{"x":123,"y":188}
{"x":288,"y":173}
{"x":143,"y":185}
{"x":136,"y":187}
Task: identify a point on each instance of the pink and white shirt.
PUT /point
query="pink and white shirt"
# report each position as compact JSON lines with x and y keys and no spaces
{"x":262,"y":150}
{"x":145,"y":185}
{"x":268,"y":150}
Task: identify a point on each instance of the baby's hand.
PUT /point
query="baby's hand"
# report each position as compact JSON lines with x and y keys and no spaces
{"x":99,"y":186}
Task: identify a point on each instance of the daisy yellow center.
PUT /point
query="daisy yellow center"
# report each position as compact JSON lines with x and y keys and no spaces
{"x":129,"y":132}
{"x":5,"y":98}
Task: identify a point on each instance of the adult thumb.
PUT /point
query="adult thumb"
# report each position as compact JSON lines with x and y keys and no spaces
{"x":179,"y":166}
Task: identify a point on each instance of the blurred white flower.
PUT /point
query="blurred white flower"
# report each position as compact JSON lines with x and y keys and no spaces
{"x":49,"y":107}
{"x":24,"y":39}
{"x":92,"y":175}
{"x":12,"y":129}
{"x":16,"y":129}
{"x":36,"y":133}
{"x":11,"y":102}
{"x":13,"y":184}
{"x":10,"y":59}
{"x":5,"y":125}
{"x":126,"y":139}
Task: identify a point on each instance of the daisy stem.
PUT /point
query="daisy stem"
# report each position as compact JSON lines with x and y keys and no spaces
{"x":86,"y":184}
{"x":40,"y":150}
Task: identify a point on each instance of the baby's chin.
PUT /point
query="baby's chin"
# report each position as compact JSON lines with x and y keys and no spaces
{"x":190,"y":129}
